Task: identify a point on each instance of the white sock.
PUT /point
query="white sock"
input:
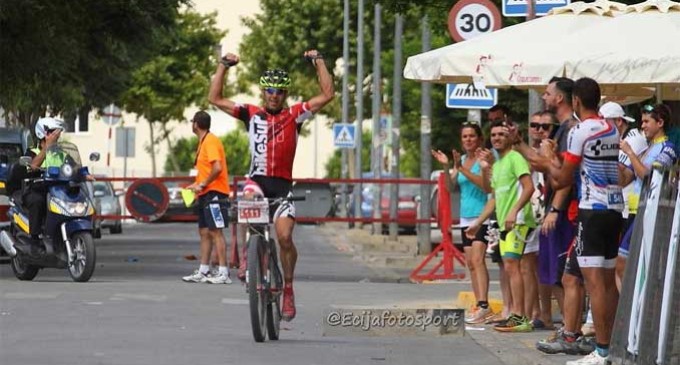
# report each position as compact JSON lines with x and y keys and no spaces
{"x":224,"y":271}
{"x":204,"y":269}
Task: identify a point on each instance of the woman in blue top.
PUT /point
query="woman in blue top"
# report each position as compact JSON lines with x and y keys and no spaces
{"x":466,"y":173}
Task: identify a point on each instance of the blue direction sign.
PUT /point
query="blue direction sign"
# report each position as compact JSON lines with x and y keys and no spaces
{"x":466,"y":96}
{"x":343,"y":135}
{"x":518,"y":8}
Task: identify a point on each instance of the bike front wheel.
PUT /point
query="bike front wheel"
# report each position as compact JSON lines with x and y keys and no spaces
{"x":257,"y":295}
{"x":274,"y":304}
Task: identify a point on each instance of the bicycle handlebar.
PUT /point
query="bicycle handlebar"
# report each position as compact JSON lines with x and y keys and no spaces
{"x":271,"y":201}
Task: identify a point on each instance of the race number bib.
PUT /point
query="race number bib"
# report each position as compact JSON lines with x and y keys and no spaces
{"x":253,"y":211}
{"x":615,"y":198}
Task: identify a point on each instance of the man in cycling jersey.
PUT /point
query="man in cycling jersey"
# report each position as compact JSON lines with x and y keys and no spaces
{"x":273,"y":130}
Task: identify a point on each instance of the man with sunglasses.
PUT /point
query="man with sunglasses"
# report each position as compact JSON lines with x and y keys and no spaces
{"x":273,"y":131}
{"x":558,"y":227}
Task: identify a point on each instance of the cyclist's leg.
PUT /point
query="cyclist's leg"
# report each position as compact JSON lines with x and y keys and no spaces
{"x":284,"y":232}
{"x":284,"y":222}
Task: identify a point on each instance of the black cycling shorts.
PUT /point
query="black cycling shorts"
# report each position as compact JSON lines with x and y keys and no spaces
{"x":273,"y":187}
{"x":598,"y":233}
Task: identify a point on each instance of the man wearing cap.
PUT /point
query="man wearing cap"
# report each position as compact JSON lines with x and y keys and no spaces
{"x":614,"y":113}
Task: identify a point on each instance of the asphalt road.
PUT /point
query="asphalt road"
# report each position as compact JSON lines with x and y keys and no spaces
{"x":136,"y":310}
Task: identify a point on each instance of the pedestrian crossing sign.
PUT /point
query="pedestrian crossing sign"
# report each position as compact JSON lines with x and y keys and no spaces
{"x":343,"y":135}
{"x":466,"y":96}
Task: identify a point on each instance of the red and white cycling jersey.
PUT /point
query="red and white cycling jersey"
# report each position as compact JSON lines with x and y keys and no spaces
{"x":273,"y":137}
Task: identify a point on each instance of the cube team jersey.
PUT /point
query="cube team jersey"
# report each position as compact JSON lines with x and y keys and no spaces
{"x":507,"y":188}
{"x":272,"y":137}
{"x":595,"y":142}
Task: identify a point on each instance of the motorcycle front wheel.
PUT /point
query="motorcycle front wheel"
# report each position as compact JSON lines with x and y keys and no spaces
{"x":84,"y":256}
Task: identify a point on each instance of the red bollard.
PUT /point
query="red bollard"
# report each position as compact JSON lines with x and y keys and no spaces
{"x":450,"y":252}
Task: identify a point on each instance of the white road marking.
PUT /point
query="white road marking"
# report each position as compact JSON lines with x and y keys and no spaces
{"x":142,"y":297}
{"x":31,"y":295}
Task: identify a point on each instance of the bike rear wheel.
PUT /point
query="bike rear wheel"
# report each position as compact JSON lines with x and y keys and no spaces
{"x":257,"y":296}
{"x":274,"y":304}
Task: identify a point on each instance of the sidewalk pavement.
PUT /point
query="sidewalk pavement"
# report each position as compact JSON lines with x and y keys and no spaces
{"x":395,"y":260}
{"x":516,"y":348}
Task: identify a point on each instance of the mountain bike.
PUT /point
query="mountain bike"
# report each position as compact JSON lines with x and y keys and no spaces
{"x":264,"y":281}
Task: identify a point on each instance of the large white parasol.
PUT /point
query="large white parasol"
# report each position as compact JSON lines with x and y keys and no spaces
{"x":526,"y":54}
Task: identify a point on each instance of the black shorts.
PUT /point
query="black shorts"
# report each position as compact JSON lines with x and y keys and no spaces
{"x":496,"y":255}
{"x":213,"y":215}
{"x":272,"y":188}
{"x":480,"y":236}
{"x":598,"y":233}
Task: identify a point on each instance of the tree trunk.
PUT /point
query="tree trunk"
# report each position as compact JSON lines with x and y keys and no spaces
{"x":173,"y":158}
{"x":152,"y":150}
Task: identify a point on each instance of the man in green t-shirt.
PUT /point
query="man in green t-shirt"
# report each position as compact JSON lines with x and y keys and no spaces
{"x":512,"y":188}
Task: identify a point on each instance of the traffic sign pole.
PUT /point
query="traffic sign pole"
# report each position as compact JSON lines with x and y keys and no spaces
{"x":108,"y":153}
{"x":112,"y":115}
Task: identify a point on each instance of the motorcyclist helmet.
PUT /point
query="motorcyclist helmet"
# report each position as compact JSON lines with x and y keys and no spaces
{"x":45,"y":125}
{"x":275,"y":78}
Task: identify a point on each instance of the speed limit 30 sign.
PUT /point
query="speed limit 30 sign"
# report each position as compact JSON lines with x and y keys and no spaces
{"x":471,"y":18}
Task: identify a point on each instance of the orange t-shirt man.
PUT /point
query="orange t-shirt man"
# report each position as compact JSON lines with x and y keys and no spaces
{"x":210,"y":149}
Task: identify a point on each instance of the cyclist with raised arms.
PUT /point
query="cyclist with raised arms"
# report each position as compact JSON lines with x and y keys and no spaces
{"x":273,"y":131}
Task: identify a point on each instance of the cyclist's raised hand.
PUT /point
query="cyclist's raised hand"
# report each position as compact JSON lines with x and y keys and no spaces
{"x":312,"y":55}
{"x":229,"y":59}
{"x":325,"y":81}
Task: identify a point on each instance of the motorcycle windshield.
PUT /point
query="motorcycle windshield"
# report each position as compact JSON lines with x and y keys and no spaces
{"x":62,"y":161}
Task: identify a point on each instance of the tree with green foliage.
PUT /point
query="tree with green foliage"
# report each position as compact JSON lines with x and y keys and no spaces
{"x":280,"y":34}
{"x":67,"y":56}
{"x":176,"y":78}
{"x":235,"y":148}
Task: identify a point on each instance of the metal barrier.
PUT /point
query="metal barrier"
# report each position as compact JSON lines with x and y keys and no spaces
{"x":647,"y":325}
{"x":133,"y":192}
{"x":450,"y":254}
{"x":147,"y":201}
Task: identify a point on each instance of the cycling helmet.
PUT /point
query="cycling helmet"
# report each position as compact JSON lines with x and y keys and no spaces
{"x":45,"y":124}
{"x":275,"y":78}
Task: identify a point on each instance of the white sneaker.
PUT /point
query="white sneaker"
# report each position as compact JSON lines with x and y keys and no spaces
{"x":196,"y":277}
{"x":219,"y":279}
{"x":591,"y":359}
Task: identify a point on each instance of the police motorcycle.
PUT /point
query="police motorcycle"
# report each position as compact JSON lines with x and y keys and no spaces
{"x":67,"y":239}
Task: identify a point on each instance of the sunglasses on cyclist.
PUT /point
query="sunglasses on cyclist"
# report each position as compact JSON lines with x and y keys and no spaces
{"x":545,"y":127}
{"x":648,"y":108}
{"x":274,"y":91}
